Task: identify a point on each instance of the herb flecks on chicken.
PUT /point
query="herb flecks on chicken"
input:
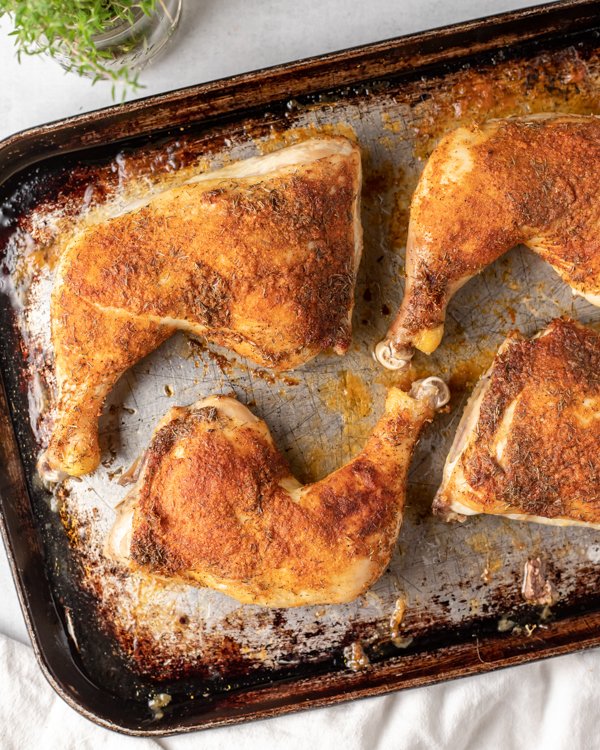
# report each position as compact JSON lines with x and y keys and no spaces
{"x":260,"y":256}
{"x":527,"y":444}
{"x":530,"y":180}
{"x":215,"y":505}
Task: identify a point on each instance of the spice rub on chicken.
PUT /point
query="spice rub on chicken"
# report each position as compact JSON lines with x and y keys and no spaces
{"x":486,"y":188}
{"x":260,"y":256}
{"x":527,"y":446}
{"x":215,"y":505}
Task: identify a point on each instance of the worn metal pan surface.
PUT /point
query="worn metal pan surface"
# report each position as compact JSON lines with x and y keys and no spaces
{"x":114,"y":644}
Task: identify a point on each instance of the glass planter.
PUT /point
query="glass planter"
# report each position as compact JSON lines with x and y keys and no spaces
{"x":134,"y":45}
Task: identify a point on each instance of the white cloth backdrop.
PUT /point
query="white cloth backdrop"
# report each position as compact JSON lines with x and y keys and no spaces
{"x":552,"y":704}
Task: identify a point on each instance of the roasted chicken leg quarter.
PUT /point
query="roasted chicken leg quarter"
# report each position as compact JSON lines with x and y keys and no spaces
{"x":530,"y":180}
{"x":215,"y":505}
{"x":260,"y":256}
{"x":528,"y":444}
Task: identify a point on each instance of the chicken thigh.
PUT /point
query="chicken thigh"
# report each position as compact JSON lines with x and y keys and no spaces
{"x":260,"y":256}
{"x":485,"y":189}
{"x":215,"y":505}
{"x":528,"y":444}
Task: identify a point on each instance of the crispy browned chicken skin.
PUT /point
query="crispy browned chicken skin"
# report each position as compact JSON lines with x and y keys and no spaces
{"x":528,"y":444}
{"x":260,"y":256}
{"x":216,"y":505}
{"x":485,"y":189}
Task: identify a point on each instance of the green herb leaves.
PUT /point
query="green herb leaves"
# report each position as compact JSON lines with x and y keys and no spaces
{"x":70,"y":31}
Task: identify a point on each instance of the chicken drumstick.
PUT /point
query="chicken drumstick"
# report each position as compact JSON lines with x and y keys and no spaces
{"x":260,"y":256}
{"x":485,"y":189}
{"x":215,"y":505}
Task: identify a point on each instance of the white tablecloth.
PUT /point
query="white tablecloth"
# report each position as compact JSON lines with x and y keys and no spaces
{"x":551,"y":704}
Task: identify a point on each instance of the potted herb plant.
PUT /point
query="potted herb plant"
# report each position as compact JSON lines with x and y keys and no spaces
{"x":103,"y":39}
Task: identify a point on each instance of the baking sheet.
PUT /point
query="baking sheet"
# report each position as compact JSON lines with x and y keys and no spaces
{"x":452,"y":578}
